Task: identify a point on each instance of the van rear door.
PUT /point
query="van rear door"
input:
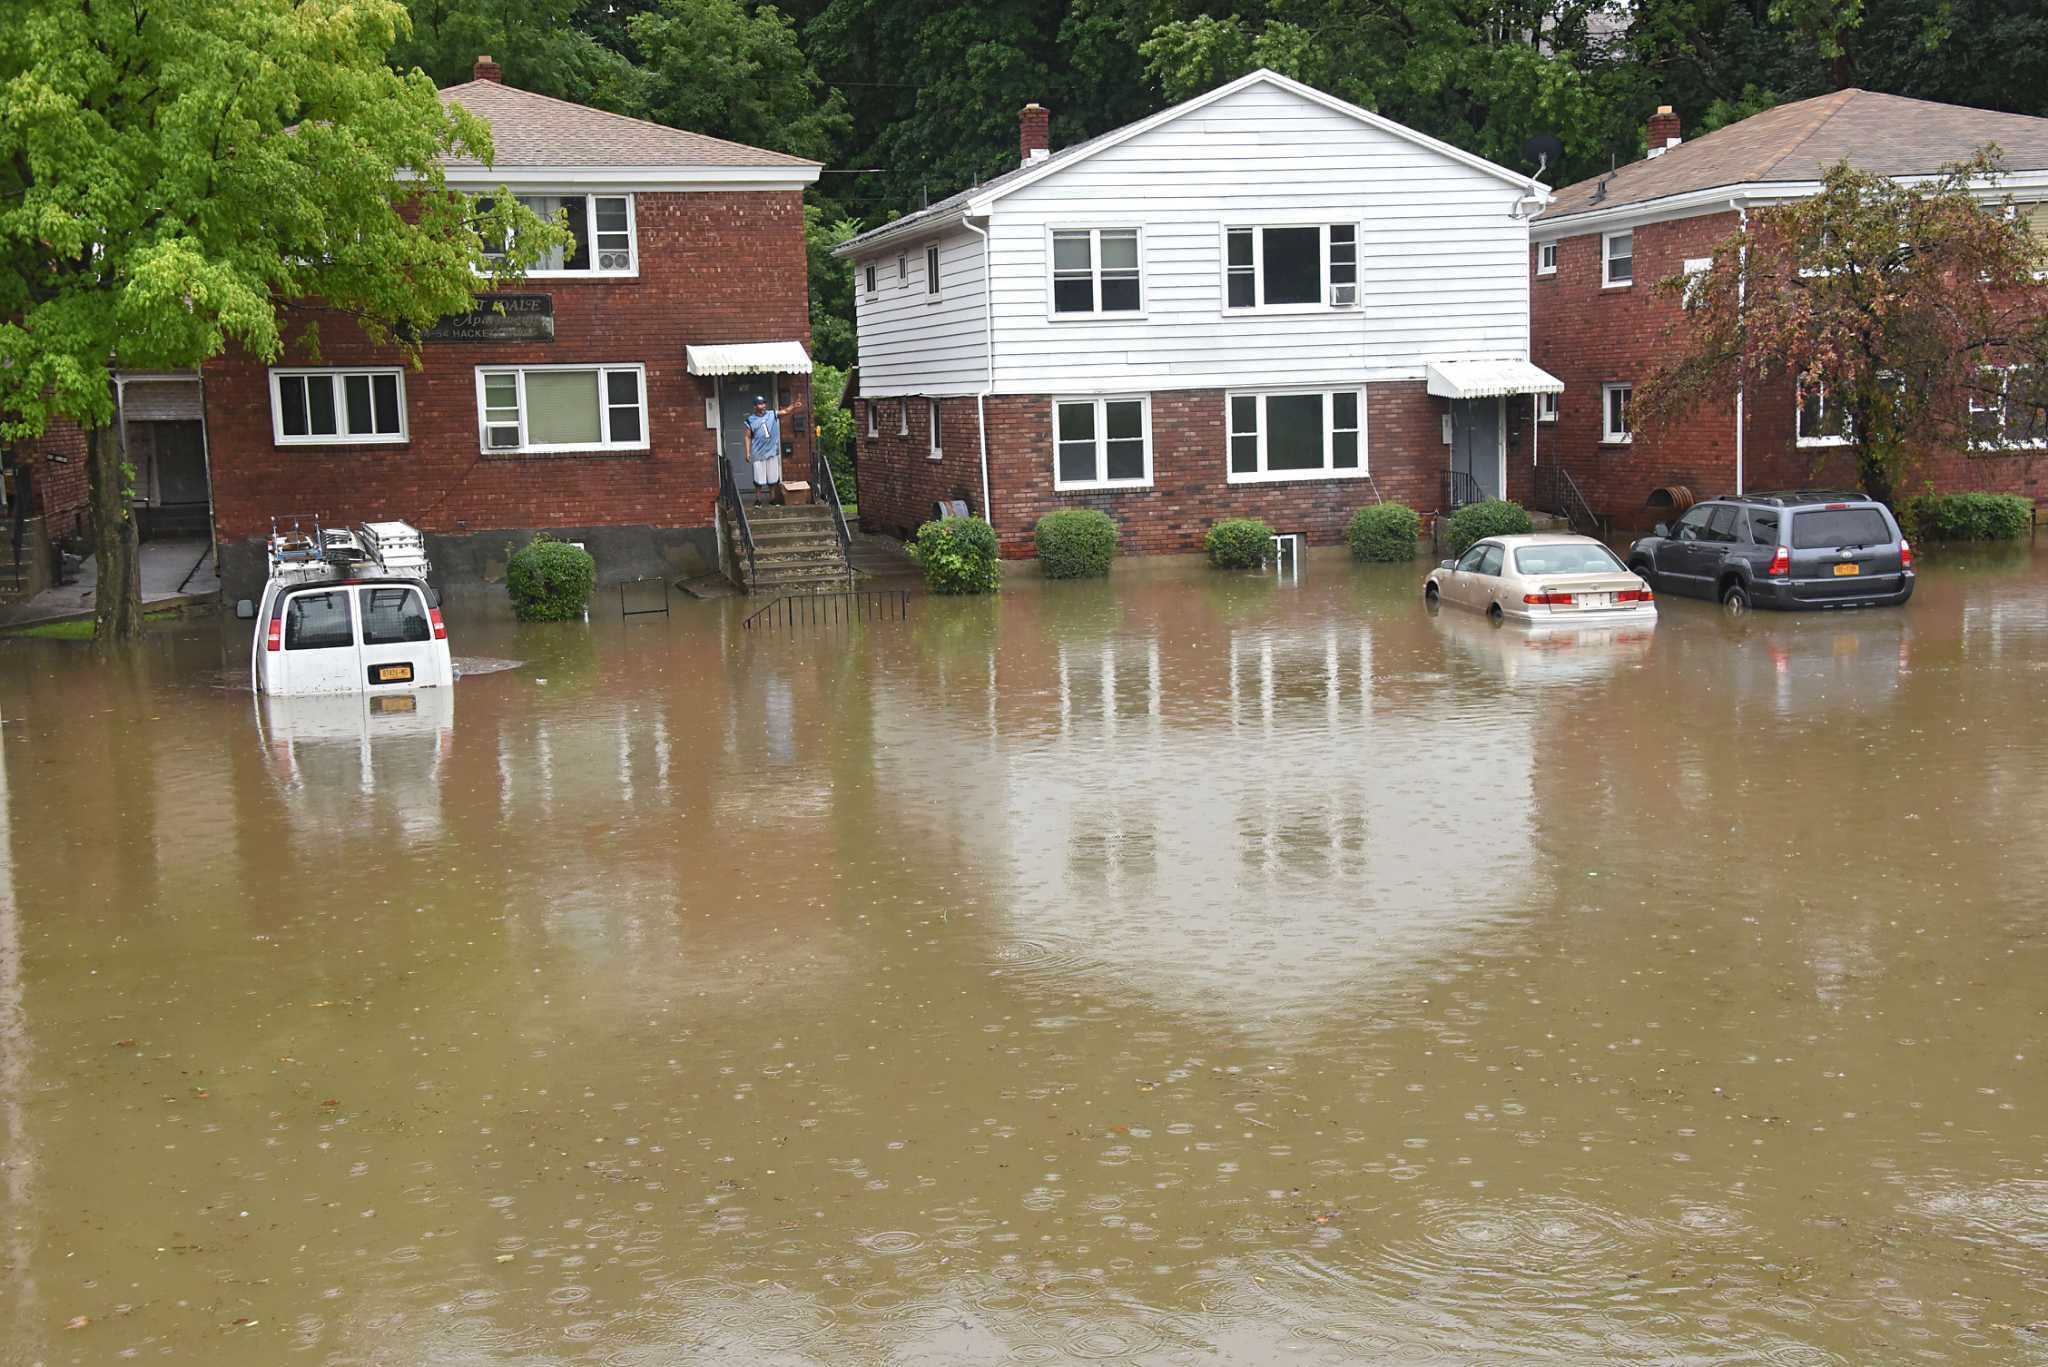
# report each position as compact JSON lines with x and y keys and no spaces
{"x":398,"y":638}
{"x":318,"y":642}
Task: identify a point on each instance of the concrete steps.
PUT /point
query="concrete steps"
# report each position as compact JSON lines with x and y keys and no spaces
{"x":796,"y":550}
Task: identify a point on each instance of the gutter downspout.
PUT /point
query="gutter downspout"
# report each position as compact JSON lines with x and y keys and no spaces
{"x":1741,"y":288}
{"x":988,"y":310}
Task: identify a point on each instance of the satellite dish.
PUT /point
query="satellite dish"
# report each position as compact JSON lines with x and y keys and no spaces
{"x":1544,"y":150}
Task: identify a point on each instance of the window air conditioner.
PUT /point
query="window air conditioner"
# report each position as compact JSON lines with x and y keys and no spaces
{"x":1343,"y":296}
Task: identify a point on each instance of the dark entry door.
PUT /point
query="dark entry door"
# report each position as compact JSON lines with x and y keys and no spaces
{"x":181,"y":506}
{"x":736,"y":400}
{"x":1475,"y":449}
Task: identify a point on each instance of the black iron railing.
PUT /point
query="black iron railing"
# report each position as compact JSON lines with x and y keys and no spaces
{"x":1460,"y":489}
{"x":828,"y":488}
{"x":1558,"y":492}
{"x":735,"y":510}
{"x":832,"y":609}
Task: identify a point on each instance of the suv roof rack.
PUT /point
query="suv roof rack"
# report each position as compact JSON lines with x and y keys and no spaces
{"x":1788,"y":497}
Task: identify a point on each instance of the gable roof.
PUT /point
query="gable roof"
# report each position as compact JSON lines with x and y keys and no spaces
{"x":538,"y":130}
{"x":978,"y":198}
{"x":1887,"y":135}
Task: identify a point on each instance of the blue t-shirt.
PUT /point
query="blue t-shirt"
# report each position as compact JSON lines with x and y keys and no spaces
{"x":767,"y":433}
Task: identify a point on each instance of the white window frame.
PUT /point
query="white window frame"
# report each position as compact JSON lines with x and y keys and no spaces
{"x":1102,"y":480}
{"x":934,"y":285}
{"x":2003,"y":409}
{"x":1265,"y":476}
{"x":870,"y":275}
{"x":903,"y":417}
{"x":340,"y":437}
{"x":1257,"y":229}
{"x":589,"y":233}
{"x":1546,"y":407}
{"x":1546,"y":258}
{"x":935,"y":437}
{"x":903,"y":270}
{"x":874,"y":419}
{"x":604,"y":410}
{"x":1095,"y":232}
{"x":1846,"y":437}
{"x":1607,"y":240}
{"x":1608,"y":435}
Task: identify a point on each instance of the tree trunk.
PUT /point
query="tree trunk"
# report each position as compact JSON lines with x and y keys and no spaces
{"x":117,"y":601}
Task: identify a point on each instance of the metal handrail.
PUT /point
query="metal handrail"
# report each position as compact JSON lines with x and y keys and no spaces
{"x":830,"y":488}
{"x":832,"y":609}
{"x":1573,"y":502}
{"x":729,"y":495}
{"x":1460,"y":489}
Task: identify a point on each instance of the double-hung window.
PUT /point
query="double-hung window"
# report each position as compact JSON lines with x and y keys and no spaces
{"x":868,"y":273}
{"x":1095,"y":270}
{"x":337,"y":407}
{"x":938,"y":441}
{"x":1546,"y":258}
{"x":1821,"y":420}
{"x":2009,"y":410}
{"x":903,"y":417}
{"x":1546,"y":408}
{"x":1616,"y":426}
{"x":931,"y":273}
{"x":1617,"y":259}
{"x":562,"y":408}
{"x":603,"y":242}
{"x":1101,"y":443}
{"x":1296,"y":435}
{"x":874,"y":424}
{"x":1290,"y":266}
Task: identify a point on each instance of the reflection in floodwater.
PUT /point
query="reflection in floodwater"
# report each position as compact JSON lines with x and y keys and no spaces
{"x":1192,"y":967}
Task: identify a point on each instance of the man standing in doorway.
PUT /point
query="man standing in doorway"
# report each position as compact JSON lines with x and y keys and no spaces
{"x":764,"y":442}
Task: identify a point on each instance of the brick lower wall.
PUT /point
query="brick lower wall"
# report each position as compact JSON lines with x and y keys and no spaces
{"x":56,"y":465}
{"x":1190,"y":491}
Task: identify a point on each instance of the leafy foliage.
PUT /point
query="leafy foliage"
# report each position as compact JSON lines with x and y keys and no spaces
{"x":835,"y":429}
{"x":1384,"y":532}
{"x":1969,"y":517}
{"x":1489,"y":517}
{"x":1239,"y":543}
{"x":958,"y":555}
{"x":550,"y":580}
{"x":1076,"y":543}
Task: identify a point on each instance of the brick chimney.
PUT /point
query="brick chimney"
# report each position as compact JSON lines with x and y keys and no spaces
{"x":488,"y":70}
{"x":1663,"y":131}
{"x":1034,"y":132}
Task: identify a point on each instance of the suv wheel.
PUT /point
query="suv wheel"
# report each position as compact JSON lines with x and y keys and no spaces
{"x":1735,"y":597}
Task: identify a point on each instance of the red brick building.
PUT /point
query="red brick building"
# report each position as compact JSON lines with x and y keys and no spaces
{"x":1598,"y":325}
{"x":1263,"y":302}
{"x":597,"y":406}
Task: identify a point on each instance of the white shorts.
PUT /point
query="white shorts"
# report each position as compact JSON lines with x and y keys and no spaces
{"x":768,"y":472}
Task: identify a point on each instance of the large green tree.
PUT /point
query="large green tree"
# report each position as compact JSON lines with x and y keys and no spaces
{"x":174,"y":174}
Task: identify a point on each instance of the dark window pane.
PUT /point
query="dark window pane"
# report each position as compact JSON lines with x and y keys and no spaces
{"x":1293,"y":266}
{"x":1344,"y":410}
{"x":625,"y":424}
{"x":1241,"y":295}
{"x":1294,"y":432}
{"x":320,"y":405}
{"x":386,"y":391}
{"x":579,"y":224}
{"x":1119,"y":294}
{"x":1076,"y":295}
{"x":355,"y":390}
{"x":318,"y":621}
{"x":1240,"y":246}
{"x":1823,"y":528}
{"x":1077,"y":461}
{"x":623,"y":386}
{"x":1244,"y":414}
{"x":1344,"y":450}
{"x":393,"y":617}
{"x":1244,"y":455}
{"x":1126,"y":419}
{"x":291,"y":402}
{"x":1126,"y":459}
{"x":1077,"y":422}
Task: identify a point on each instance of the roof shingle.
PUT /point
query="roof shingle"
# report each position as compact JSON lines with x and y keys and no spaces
{"x":1887,"y":135}
{"x":537,"y":130}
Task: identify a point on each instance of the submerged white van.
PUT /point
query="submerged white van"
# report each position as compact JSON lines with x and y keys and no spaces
{"x":348,"y":612}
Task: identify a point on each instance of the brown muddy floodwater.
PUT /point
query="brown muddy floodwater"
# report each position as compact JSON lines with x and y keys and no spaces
{"x":1186,"y":969}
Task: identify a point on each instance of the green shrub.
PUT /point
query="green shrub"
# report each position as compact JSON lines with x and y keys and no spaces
{"x":1383,"y":531}
{"x":1076,"y":543}
{"x":958,"y":555}
{"x":1968,"y":517}
{"x":1239,"y":543}
{"x":550,"y":580}
{"x":1492,"y":517}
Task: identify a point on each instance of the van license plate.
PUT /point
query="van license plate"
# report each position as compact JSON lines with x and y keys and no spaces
{"x":394,"y":673}
{"x":1841,"y":570}
{"x":397,"y":702}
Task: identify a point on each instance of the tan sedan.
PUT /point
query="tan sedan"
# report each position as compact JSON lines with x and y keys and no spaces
{"x":1551,"y":580}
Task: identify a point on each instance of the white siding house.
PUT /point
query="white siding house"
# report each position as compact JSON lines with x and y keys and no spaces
{"x":1264,"y":240}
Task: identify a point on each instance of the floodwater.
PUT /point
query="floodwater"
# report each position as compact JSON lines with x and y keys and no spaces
{"x":1193,"y":968}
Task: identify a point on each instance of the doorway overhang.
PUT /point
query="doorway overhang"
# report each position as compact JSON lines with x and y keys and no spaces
{"x":1487,"y":379}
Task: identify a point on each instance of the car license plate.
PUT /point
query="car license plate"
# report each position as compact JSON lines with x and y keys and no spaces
{"x":394,"y":673}
{"x":1595,"y":600}
{"x":396,"y":702}
{"x":1841,"y":570}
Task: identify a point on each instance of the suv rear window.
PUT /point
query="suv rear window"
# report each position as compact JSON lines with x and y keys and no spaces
{"x":1818,"y":528}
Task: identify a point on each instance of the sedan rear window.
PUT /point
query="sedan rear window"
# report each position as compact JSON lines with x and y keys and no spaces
{"x":1566,"y":559}
{"x":1821,"y":528}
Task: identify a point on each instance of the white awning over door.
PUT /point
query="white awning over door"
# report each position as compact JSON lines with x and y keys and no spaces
{"x":1487,"y":379}
{"x":749,"y":358}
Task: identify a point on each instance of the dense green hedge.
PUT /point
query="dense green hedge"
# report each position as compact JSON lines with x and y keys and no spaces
{"x":1076,"y":543}
{"x":1383,"y":531}
{"x":550,"y":580}
{"x":1968,"y":517}
{"x":1476,"y":521}
{"x":958,"y":555}
{"x":1238,"y":543}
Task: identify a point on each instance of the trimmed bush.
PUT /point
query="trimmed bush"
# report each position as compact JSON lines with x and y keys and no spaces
{"x":1492,"y":517}
{"x":1239,"y":543}
{"x":1076,"y":543}
{"x":550,"y":580}
{"x":958,"y":555}
{"x":1384,"y":532}
{"x":1968,"y":517}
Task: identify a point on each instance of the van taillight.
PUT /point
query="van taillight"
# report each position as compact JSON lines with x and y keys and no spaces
{"x":1781,"y":563}
{"x":274,"y":638}
{"x":1905,"y":554}
{"x":440,"y":628}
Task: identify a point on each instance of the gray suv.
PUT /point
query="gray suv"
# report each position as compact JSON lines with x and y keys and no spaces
{"x":1805,"y":549}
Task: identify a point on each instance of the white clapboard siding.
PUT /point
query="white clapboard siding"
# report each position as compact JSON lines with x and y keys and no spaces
{"x":1443,"y":262}
{"x":910,"y":344}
